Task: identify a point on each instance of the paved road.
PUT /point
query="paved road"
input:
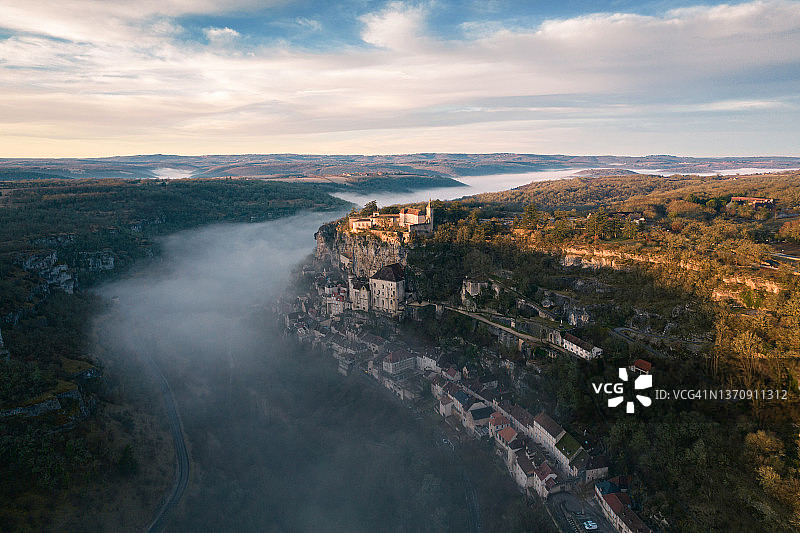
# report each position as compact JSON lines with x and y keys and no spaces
{"x":566,"y":505}
{"x":182,"y":468}
{"x":523,"y":336}
{"x":647,"y":347}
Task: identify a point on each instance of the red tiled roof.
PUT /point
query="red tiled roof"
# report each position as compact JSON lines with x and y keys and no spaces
{"x":750,"y":199}
{"x":578,"y":342}
{"x":643,"y":365}
{"x":617,"y":501}
{"x":543,"y":471}
{"x":498,"y":419}
{"x":508,"y":434}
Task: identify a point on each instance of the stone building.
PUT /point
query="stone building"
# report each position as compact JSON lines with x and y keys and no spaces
{"x":387,"y":289}
{"x":408,"y":220}
{"x":359,"y":294}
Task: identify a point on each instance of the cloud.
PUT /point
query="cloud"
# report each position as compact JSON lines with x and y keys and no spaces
{"x":397,"y":27}
{"x":220,"y":35}
{"x":68,"y":80}
{"x":310,"y":24}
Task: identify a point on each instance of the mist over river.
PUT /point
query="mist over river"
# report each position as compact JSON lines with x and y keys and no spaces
{"x":278,"y":440}
{"x":472,"y":185}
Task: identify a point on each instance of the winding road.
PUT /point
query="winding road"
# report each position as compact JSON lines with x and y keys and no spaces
{"x":182,"y":468}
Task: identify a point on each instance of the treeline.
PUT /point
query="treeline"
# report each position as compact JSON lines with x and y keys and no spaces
{"x":641,"y":191}
{"x":48,"y":207}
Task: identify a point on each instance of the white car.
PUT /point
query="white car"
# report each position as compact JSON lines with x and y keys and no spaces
{"x":589,"y":525}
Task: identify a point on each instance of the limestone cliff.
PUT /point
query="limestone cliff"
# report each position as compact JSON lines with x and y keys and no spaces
{"x":47,"y":266}
{"x":360,"y":255}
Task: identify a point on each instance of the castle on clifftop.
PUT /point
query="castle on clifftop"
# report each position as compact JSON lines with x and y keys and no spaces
{"x":395,"y":227}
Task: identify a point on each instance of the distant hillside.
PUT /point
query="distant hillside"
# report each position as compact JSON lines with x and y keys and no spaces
{"x":599,"y":172}
{"x":12,"y":174}
{"x":637,"y":191}
{"x":295,"y":166}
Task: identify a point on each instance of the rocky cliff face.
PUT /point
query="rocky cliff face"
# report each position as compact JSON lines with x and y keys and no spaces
{"x":359,"y":255}
{"x":597,"y":258}
{"x":47,"y":266}
{"x":97,"y":261}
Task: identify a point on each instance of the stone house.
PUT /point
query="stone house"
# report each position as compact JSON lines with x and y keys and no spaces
{"x":387,"y":289}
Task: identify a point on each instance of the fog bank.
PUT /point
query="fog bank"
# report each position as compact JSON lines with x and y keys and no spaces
{"x":277,"y":439}
{"x":472,"y":185}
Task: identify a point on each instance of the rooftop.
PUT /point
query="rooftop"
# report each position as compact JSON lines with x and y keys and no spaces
{"x":619,"y":504}
{"x":525,"y":464}
{"x":399,"y":355}
{"x":481,"y":413}
{"x":549,"y":425}
{"x":543,"y":471}
{"x":389,"y":273}
{"x":578,"y":342}
{"x":464,"y":399}
{"x":568,"y":445}
{"x":498,"y":419}
{"x":507,"y":434}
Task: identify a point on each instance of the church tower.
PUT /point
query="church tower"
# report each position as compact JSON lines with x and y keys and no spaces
{"x":429,"y":214}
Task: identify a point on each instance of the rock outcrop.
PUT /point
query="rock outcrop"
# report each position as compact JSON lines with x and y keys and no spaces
{"x":46,"y":265}
{"x":360,"y":255}
{"x":97,"y":261}
{"x":71,"y":402}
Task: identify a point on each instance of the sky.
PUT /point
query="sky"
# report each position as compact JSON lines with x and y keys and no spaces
{"x":83,"y":78}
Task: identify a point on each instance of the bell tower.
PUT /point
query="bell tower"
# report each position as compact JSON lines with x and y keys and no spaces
{"x":429,"y":214}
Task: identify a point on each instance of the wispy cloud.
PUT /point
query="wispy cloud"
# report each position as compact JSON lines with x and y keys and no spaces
{"x":115,"y":78}
{"x":220,"y":35}
{"x":308,"y":23}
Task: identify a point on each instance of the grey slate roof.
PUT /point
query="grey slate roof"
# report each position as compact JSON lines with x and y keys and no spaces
{"x":389,"y":273}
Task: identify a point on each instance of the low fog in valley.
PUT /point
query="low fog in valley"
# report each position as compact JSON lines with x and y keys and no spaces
{"x":278,"y":440}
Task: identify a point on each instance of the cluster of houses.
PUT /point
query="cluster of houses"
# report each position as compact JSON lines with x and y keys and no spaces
{"x":540,"y":455}
{"x":384,"y":291}
{"x":395,"y":227}
{"x":538,"y":452}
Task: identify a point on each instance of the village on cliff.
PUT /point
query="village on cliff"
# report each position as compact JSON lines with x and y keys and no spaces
{"x":357,"y":291}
